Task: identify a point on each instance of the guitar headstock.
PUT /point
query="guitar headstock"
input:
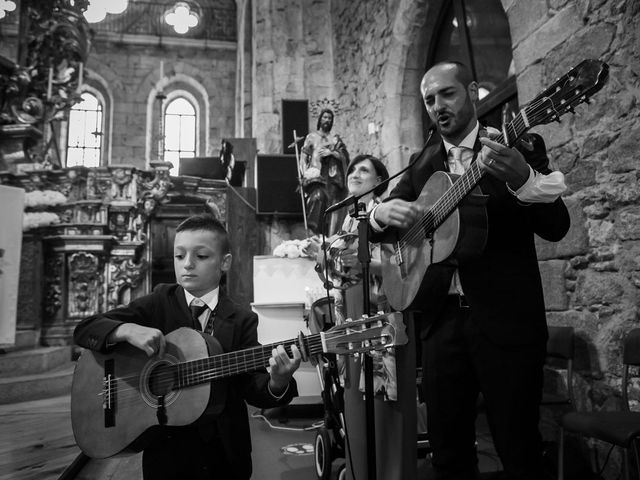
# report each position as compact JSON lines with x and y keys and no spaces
{"x":378,"y":332}
{"x":573,"y":88}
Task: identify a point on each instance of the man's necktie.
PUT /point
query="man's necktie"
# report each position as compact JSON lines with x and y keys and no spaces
{"x":196,"y":311}
{"x":459,"y":159}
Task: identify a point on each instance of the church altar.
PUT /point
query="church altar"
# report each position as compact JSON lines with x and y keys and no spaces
{"x":94,"y":241}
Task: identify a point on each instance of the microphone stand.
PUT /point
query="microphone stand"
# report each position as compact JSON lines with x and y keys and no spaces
{"x":358,"y":211}
{"x":364,"y":256}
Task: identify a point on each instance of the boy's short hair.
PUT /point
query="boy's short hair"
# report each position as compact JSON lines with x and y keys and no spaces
{"x":204,"y":221}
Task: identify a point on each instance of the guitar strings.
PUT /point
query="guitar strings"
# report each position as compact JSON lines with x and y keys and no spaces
{"x":166,"y":380}
{"x":224,"y":365}
{"x":230,"y":367}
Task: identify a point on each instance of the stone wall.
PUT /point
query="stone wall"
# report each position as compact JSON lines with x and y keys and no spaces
{"x":362,"y":33}
{"x":292,"y":60}
{"x":597,"y":149}
{"x":131,"y":75}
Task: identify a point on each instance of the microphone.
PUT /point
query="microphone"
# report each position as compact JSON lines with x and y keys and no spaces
{"x":343,"y":203}
{"x":352,"y":199}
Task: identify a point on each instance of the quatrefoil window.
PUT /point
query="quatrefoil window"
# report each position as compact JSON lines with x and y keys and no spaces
{"x":181,"y":17}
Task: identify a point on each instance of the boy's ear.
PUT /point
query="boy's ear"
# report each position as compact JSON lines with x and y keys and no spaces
{"x":226,"y":262}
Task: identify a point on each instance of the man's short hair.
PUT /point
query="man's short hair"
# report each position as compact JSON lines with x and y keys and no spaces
{"x":463,"y":73}
{"x":322,"y":112}
{"x":204,"y":221}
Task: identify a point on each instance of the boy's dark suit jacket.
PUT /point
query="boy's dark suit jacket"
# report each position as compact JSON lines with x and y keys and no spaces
{"x":502,"y":285}
{"x":235,"y":328}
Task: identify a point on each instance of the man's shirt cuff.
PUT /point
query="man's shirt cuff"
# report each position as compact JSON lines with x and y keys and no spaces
{"x":540,"y":188}
{"x":377,"y":227}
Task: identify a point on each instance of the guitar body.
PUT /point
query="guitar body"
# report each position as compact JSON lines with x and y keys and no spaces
{"x":101,"y":432}
{"x":461,"y":236}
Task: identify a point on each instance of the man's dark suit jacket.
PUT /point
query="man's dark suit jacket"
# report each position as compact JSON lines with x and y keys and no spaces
{"x":502,"y":285}
{"x":235,"y":328}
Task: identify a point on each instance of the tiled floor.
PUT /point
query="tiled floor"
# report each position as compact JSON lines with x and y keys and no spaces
{"x":37,"y":444}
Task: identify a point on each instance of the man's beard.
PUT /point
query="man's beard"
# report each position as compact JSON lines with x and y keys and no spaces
{"x":326,"y":126}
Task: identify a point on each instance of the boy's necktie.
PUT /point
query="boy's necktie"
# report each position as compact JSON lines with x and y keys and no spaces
{"x":196,"y":311}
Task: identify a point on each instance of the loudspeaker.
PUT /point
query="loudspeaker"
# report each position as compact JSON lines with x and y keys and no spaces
{"x":277,"y":183}
{"x":295,"y":116}
{"x":204,"y":167}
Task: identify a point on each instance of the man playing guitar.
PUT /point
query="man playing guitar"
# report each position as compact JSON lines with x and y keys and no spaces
{"x":483,"y":326}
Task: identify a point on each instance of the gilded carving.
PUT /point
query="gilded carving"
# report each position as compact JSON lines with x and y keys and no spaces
{"x":123,"y":184}
{"x":84,"y":284}
{"x":125,"y":274}
{"x":53,"y":284}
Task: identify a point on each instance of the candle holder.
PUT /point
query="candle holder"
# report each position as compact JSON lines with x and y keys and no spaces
{"x":160,"y":98}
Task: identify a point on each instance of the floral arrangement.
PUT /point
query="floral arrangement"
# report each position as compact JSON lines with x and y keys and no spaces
{"x":32,"y":220}
{"x":292,"y":249}
{"x":43,"y":198}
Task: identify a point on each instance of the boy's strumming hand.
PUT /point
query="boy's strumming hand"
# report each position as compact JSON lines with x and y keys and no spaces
{"x":282,"y":368}
{"x":150,"y":340}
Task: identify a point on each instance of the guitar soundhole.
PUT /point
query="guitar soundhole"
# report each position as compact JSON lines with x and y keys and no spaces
{"x":162,"y":379}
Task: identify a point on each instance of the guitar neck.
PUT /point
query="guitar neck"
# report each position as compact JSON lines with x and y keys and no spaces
{"x":446,"y":204}
{"x":204,"y":370}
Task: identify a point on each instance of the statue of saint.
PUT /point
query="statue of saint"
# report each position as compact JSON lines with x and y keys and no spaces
{"x":323,"y":163}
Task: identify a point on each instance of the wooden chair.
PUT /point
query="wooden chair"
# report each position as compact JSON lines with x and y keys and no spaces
{"x":560,"y":351}
{"x":621,"y":429}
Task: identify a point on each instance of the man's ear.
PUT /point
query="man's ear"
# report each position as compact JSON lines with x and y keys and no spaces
{"x":226,"y":262}
{"x":472,"y":90}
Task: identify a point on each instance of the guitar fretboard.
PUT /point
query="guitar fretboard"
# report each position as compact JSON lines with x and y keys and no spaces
{"x":203,"y":370}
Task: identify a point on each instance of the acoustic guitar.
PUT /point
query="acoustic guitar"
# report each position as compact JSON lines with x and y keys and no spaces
{"x":454,"y":225}
{"x":117,"y":398}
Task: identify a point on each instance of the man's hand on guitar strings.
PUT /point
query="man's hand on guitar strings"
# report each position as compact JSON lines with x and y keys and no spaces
{"x":504,"y":163}
{"x":150,"y":340}
{"x":397,"y":213}
{"x":282,"y":367}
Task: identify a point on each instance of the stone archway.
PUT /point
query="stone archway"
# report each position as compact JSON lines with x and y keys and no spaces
{"x":402,"y":131}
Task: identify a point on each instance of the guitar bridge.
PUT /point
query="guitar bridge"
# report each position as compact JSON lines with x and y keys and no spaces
{"x":109,"y":392}
{"x":398,"y":258}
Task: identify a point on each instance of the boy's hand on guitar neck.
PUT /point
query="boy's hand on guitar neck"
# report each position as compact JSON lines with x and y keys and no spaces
{"x":282,"y":368}
{"x":397,"y":213}
{"x":150,"y":340}
{"x":504,"y":163}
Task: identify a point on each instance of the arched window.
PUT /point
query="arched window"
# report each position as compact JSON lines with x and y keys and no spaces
{"x":476,"y":33}
{"x":85,"y":132}
{"x":179,"y":131}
